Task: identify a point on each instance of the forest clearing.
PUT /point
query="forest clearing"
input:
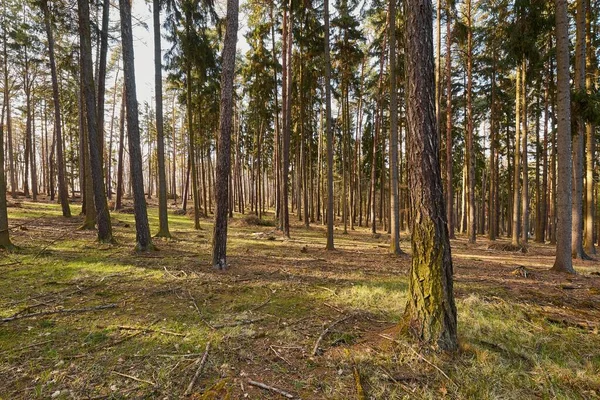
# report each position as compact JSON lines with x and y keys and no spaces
{"x":524,"y":332}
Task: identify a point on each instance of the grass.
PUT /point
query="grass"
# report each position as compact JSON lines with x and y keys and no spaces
{"x":519,"y":337}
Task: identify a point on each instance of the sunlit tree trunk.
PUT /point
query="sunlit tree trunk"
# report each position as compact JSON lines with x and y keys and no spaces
{"x":430,"y":314}
{"x":563,"y":261}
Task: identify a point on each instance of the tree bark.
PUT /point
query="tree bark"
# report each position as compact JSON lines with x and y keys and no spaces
{"x":563,"y":261}
{"x":102,"y":213}
{"x":142,"y":229}
{"x":163,"y":219}
{"x":430,"y":313}
{"x":219,"y":246}
{"x":449,"y":164}
{"x":395,"y":208}
{"x":62,"y":183}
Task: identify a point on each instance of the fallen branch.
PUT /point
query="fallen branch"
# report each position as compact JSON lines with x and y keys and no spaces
{"x":133,"y":328}
{"x":134,"y":378}
{"x":63,"y":311}
{"x":270,"y":388}
{"x":134,"y":335}
{"x":188,"y":391}
{"x":326,"y":331}
{"x":260,"y":305}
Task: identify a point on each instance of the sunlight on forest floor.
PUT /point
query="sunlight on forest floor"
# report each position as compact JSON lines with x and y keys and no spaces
{"x":99,"y":321}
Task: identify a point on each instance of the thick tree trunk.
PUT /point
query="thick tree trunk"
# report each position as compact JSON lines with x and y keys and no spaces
{"x":62,"y":182}
{"x":142,"y":229}
{"x":219,"y":246}
{"x":563,"y":261}
{"x":430,"y":314}
{"x":102,"y":213}
{"x":163,"y":219}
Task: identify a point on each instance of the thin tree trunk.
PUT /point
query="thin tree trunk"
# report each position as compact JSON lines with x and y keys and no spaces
{"x":590,"y":142}
{"x":62,"y":183}
{"x":525,"y":132}
{"x":119,"y":195}
{"x":516,"y":221}
{"x":449,"y":166}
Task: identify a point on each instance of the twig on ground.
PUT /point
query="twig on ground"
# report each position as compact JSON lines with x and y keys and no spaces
{"x":26,"y":347}
{"x":188,"y":391}
{"x":134,"y":328}
{"x":326,"y":331}
{"x":63,"y":311}
{"x":134,"y":335}
{"x":329,"y":290}
{"x":134,"y":378}
{"x":420,"y":356}
{"x":200,"y":312}
{"x":51,"y":243}
{"x":270,"y":388}
{"x":280,"y":356}
{"x":334,"y":308}
{"x":261,"y":305}
{"x":239,"y":323}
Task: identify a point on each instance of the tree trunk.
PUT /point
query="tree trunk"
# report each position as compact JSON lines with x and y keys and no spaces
{"x":62,"y":183}
{"x":590,"y":142}
{"x":219,"y":246}
{"x":578,"y":138}
{"x":430,"y":314}
{"x":525,"y":131}
{"x":5,"y":241}
{"x":394,"y":204}
{"x":471,"y":218}
{"x":142,"y":229}
{"x":102,"y":213}
{"x":449,"y":172}
{"x":119,"y":195}
{"x":163,"y":219}
{"x":563,"y":261}
{"x":517,"y":164}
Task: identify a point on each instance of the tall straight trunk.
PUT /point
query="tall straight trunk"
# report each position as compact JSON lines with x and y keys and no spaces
{"x":62,"y":182}
{"x":544,"y":190}
{"x":438,"y":72}
{"x":7,"y":85}
{"x":329,"y":132}
{"x":539,"y":217}
{"x":525,"y":132}
{"x":284,"y":219}
{"x":277,"y":139}
{"x":87,"y":191}
{"x":471,"y":218}
{"x":119,"y":194}
{"x":430,"y":314}
{"x":101,"y":78}
{"x":219,"y":246}
{"x":375,"y":151}
{"x":34,"y":172}
{"x":28,"y":134}
{"x":493,"y":205}
{"x":449,"y":172}
{"x":163,"y":219}
{"x":394,"y":201}
{"x":102,"y":213}
{"x":590,"y":142}
{"x":142,"y":228}
{"x":109,"y":162}
{"x":5,"y":241}
{"x":552,"y":200}
{"x":516,"y":221}
{"x":578,"y":138}
{"x":563,"y":261}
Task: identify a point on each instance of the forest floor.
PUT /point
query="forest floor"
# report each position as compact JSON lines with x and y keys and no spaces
{"x":84,"y":320}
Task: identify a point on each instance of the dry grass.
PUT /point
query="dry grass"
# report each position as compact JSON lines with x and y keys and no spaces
{"x":520,"y":337}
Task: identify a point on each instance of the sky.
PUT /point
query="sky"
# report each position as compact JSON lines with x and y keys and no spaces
{"x":144,"y":48}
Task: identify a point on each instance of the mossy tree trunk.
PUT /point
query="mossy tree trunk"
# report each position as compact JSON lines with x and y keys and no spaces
{"x":430,"y":314}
